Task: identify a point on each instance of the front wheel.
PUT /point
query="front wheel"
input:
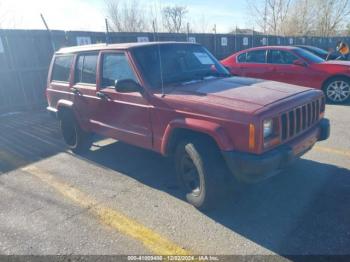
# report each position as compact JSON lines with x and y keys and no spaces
{"x":337,"y":90}
{"x":201,"y":171}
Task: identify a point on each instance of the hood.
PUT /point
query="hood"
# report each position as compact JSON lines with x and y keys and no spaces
{"x":335,"y":62}
{"x":242,"y":93}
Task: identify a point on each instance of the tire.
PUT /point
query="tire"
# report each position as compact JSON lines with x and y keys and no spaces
{"x":201,"y":172}
{"x":76,"y":139}
{"x":337,"y":90}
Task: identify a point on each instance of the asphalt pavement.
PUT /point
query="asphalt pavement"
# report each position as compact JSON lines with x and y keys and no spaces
{"x":119,"y":199}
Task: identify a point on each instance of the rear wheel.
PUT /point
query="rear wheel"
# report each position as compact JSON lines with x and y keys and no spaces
{"x":76,"y":139}
{"x":337,"y":90}
{"x":201,"y":172}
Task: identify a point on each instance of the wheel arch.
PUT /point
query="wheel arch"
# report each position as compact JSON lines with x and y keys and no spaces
{"x":333,"y":77}
{"x":190,"y":128}
{"x":64,"y":107}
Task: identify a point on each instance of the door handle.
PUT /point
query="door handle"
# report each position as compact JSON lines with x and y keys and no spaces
{"x":75,"y":90}
{"x":102,"y":95}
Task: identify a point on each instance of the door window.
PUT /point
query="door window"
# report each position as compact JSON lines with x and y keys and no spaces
{"x":258,"y":56}
{"x":281,"y":57}
{"x":85,"y":70}
{"x":115,"y":67}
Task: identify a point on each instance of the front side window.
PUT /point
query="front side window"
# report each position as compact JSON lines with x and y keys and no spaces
{"x":282,"y":57}
{"x":115,"y":67}
{"x":61,"y":68}
{"x":258,"y":56}
{"x":85,"y":70}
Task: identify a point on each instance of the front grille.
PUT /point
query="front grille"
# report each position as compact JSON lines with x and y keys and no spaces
{"x":300,"y":119}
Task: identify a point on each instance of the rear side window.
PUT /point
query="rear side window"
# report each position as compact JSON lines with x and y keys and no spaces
{"x":61,"y":68}
{"x":115,"y":67}
{"x":258,"y":56}
{"x":242,"y":58}
{"x":85,"y":70}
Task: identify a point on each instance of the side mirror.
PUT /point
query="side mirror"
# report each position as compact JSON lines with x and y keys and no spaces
{"x":299,"y":63}
{"x":127,"y":86}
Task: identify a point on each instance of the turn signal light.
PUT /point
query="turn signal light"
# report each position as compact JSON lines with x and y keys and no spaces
{"x":251,"y":137}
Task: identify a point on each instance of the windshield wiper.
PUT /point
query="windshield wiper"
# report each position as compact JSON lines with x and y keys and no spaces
{"x":213,"y":74}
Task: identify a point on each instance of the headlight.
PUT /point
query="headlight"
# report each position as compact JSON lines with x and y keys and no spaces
{"x":268,"y":128}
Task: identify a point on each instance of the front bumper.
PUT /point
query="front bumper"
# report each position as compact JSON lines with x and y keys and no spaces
{"x":253,"y":168}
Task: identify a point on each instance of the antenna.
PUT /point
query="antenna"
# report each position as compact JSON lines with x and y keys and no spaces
{"x":107,"y":32}
{"x":160,"y":59}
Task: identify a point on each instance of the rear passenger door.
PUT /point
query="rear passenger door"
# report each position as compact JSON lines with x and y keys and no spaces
{"x":123,"y":116}
{"x":84,"y":87}
{"x":255,"y":64}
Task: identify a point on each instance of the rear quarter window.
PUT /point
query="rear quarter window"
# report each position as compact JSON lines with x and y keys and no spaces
{"x":242,"y":58}
{"x":61,"y":68}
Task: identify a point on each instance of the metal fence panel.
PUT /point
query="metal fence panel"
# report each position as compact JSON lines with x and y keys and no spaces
{"x":25,"y":55}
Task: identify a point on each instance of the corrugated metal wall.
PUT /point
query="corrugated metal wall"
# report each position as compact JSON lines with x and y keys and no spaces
{"x":25,"y":56}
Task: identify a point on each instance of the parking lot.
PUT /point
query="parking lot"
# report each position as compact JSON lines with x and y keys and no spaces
{"x":119,"y":199}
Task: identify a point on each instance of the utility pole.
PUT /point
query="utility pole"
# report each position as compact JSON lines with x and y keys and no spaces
{"x":188,"y":32}
{"x":107,"y":32}
{"x":236,"y":39}
{"x":154,"y":31}
{"x":49,"y":32}
{"x":214,"y":30}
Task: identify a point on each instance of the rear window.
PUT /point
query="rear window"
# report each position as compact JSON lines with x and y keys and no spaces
{"x":85,"y":70}
{"x":258,"y":56}
{"x":61,"y":68}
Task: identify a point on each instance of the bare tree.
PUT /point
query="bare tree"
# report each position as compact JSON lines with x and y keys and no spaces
{"x":126,"y":16}
{"x":332,"y":15}
{"x":201,"y":25}
{"x":174,"y":18}
{"x":269,"y":15}
{"x":2,"y":14}
{"x":301,"y":20}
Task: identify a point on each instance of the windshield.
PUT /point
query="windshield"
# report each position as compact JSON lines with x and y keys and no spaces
{"x":317,"y":50}
{"x":180,"y":63}
{"x":312,"y":58}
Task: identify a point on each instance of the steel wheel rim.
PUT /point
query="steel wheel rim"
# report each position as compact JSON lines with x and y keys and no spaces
{"x":190,"y":176}
{"x":338,"y":91}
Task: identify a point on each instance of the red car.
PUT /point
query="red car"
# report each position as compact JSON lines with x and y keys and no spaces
{"x":295,"y":66}
{"x":177,"y":100}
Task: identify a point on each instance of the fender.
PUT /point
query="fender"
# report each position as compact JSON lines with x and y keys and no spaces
{"x":214,"y":130}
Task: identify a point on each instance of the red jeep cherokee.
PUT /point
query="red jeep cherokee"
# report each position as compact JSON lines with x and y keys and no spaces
{"x":176,"y":99}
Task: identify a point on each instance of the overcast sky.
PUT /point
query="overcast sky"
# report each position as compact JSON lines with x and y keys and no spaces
{"x":90,"y":14}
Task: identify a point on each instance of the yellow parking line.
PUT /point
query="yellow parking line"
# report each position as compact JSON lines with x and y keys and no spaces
{"x":333,"y":151}
{"x":150,"y":239}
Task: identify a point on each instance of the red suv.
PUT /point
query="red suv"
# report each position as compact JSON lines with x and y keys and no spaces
{"x":296,"y":66}
{"x":178,"y":100}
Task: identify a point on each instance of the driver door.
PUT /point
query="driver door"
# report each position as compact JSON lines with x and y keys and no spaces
{"x":283,"y":69}
{"x":123,"y":116}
